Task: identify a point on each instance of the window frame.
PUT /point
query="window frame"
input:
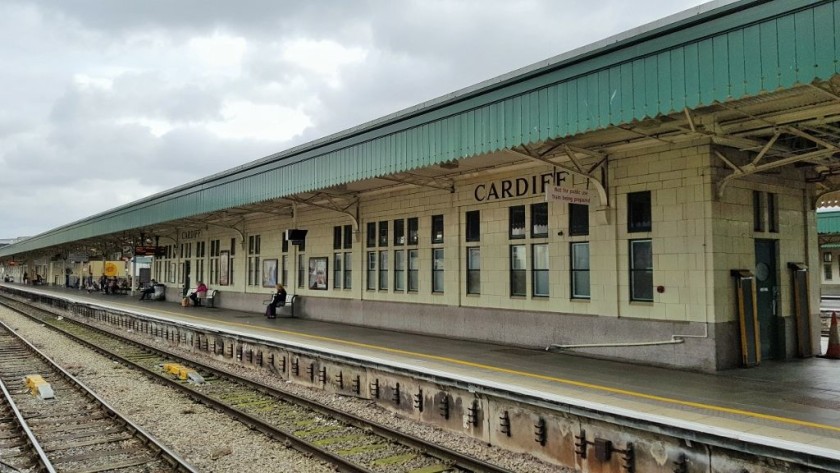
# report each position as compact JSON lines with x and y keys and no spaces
{"x":473,"y":277}
{"x":437,"y":229}
{"x":518,"y":275}
{"x":639,"y":206}
{"x":540,"y":272}
{"x":574,"y":270}
{"x":438,"y":267}
{"x":472,"y":231}
{"x":633,"y":271}
{"x":515,"y":231}
{"x":578,"y":220}
{"x":539,"y":211}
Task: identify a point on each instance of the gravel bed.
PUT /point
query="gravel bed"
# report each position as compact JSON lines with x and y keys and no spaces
{"x":513,"y":461}
{"x":207,"y":439}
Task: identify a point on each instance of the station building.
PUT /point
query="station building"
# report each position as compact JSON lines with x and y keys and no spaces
{"x":649,"y":198}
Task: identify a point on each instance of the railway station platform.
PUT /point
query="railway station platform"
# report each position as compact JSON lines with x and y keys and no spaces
{"x":793,"y":404}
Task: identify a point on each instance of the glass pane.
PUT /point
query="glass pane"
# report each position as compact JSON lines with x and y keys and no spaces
{"x":580,"y":284}
{"x":371,"y":234}
{"x":516,"y":225}
{"x":638,"y":212}
{"x":413,"y":262}
{"x":348,"y":270}
{"x":541,"y":283}
{"x":641,"y":255}
{"x":383,"y":270}
{"x":580,"y":255}
{"x":473,"y":226}
{"x":578,"y":219}
{"x":539,"y":219}
{"x":399,"y":232}
{"x":517,"y":257}
{"x":473,"y":282}
{"x":399,"y":260}
{"x":437,"y":228}
{"x":412,"y":231}
{"x":413,"y":282}
{"x":540,"y":255}
{"x":371,"y":270}
{"x":473,"y":258}
{"x":517,"y":283}
{"x":642,"y":285}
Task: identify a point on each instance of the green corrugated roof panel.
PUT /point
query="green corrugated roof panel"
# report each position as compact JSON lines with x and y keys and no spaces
{"x":828,"y":222}
{"x":725,"y":53}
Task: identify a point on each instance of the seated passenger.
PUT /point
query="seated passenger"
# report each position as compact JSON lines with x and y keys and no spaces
{"x":278,"y":299}
{"x":200,"y":293}
{"x":148,"y":291}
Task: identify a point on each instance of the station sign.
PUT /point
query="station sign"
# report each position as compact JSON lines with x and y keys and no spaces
{"x":79,"y":256}
{"x":148,"y":251}
{"x":565,"y":194}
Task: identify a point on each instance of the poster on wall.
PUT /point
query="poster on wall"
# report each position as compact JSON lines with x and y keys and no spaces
{"x":269,"y":272}
{"x":224,"y":268}
{"x":318,"y":273}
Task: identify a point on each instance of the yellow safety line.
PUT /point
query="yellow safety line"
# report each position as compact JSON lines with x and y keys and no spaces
{"x":597,"y":387}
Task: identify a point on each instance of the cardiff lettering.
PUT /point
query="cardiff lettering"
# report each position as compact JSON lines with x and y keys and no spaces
{"x":518,"y":187}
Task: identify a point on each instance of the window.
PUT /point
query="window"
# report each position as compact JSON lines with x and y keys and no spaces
{"x":337,"y":238}
{"x":473,"y":232}
{"x":371,"y":270}
{"x":399,"y":270}
{"x":371,"y":234}
{"x":539,"y":220}
{"x":413,"y":233}
{"x":758,"y":212}
{"x":638,"y":212}
{"x":383,"y":270}
{"x":284,"y":270}
{"x":337,"y":259}
{"x":399,"y":232}
{"x":301,"y":271}
{"x":517,"y":270}
{"x":230,"y":275}
{"x":215,"y":247}
{"x":437,"y":270}
{"x":348,"y":237}
{"x":539,"y":275}
{"x":413,"y":268}
{"x":348,"y":270}
{"x":284,"y":247}
{"x":516,"y":222}
{"x":827,"y":271}
{"x":254,"y":260}
{"x":641,"y":270}
{"x":580,"y":270}
{"x":383,"y":233}
{"x":772,"y":213}
{"x":578,"y":219}
{"x":437,"y":229}
{"x":474,"y":270}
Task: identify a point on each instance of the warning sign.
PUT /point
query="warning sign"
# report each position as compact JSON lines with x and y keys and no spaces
{"x":564,"y":194}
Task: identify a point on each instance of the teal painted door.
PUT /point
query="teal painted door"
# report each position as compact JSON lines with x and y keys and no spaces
{"x":767,"y":294}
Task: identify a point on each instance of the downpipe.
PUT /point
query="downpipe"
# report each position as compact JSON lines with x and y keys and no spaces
{"x":675,"y":340}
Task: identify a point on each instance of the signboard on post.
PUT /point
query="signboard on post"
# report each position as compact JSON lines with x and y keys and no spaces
{"x":78,"y":256}
{"x":565,"y":194}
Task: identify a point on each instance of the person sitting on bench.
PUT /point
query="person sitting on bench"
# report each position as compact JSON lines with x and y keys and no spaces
{"x":277,"y":300}
{"x":200,"y":293}
{"x":148,"y":291}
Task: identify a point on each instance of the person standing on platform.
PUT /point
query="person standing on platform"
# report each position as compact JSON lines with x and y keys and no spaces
{"x":277,"y":300}
{"x":26,"y":278}
{"x":200,"y":293}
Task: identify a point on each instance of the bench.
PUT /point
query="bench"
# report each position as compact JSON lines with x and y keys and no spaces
{"x":209,"y":299}
{"x":291,"y":299}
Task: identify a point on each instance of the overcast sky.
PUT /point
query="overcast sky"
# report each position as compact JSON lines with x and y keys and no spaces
{"x":104,"y":102}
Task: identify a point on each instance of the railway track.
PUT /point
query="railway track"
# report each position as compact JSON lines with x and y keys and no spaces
{"x":346,"y":441}
{"x":61,"y":425}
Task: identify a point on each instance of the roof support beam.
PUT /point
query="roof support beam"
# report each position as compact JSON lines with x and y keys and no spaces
{"x":333,"y":206}
{"x":578,"y":170}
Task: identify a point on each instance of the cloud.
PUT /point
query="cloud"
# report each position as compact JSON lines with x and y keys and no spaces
{"x":107,"y":102}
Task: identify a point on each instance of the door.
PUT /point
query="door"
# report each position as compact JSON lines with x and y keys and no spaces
{"x":767,"y":294}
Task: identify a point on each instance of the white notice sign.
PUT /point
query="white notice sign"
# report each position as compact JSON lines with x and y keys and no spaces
{"x":564,"y":194}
